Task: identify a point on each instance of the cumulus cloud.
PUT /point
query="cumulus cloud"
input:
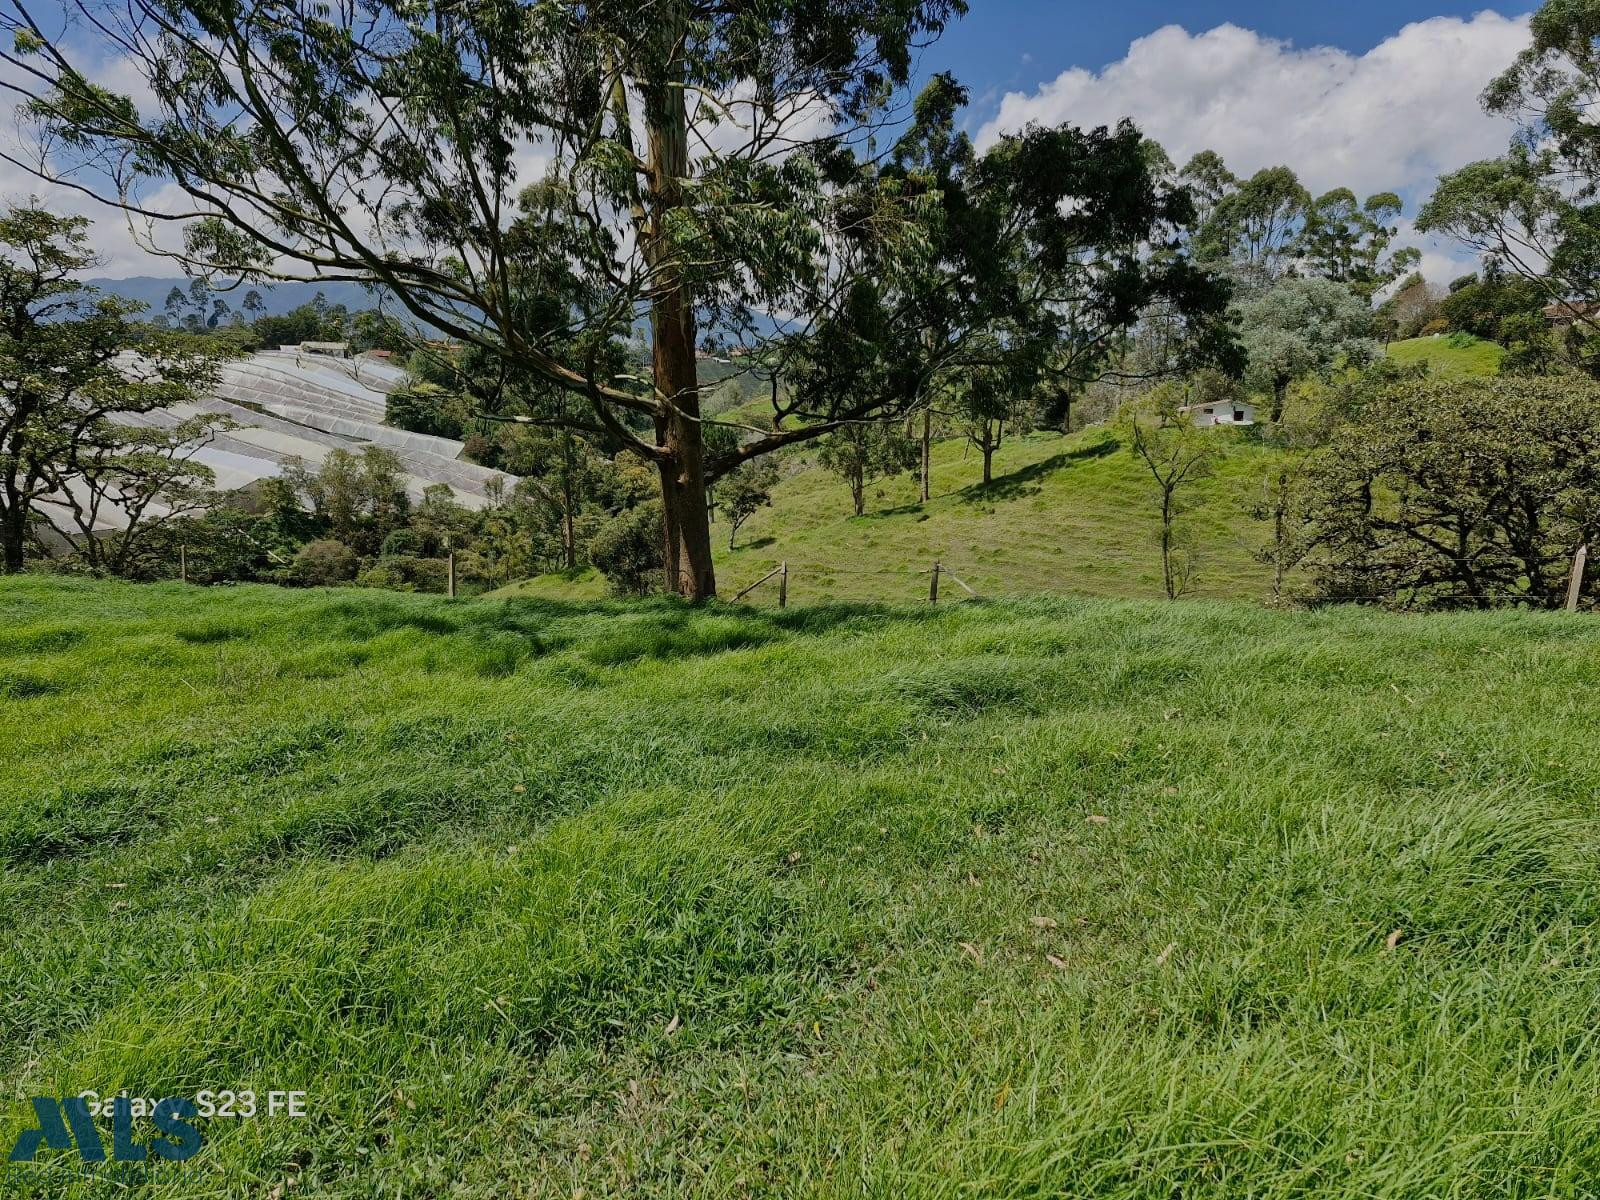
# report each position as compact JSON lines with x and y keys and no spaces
{"x":1394,"y":118}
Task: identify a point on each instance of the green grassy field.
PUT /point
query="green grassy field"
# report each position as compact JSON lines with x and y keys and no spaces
{"x":1072,"y":515}
{"x":1069,"y":897}
{"x":1445,"y":357}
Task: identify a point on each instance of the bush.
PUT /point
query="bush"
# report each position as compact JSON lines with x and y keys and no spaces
{"x":1457,"y":494}
{"x":423,"y":408}
{"x":401,"y":542}
{"x":629,"y":549}
{"x":324,"y":563}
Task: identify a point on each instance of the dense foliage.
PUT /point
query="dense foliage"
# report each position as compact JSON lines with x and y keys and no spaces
{"x":1462,"y":494}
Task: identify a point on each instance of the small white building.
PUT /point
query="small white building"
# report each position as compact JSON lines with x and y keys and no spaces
{"x":1221,"y":412}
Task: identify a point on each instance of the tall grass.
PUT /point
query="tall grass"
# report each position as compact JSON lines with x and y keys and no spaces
{"x":1076,"y":898}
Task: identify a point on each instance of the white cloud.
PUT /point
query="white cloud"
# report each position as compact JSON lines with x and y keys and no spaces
{"x":1394,"y":118}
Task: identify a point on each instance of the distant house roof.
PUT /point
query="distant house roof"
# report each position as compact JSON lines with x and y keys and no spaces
{"x":1571,"y":310}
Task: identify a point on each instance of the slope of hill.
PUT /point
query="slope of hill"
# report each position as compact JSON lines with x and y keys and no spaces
{"x":1064,"y":514}
{"x":1078,"y":897}
{"x":1073,"y":515}
{"x":1455,"y":355}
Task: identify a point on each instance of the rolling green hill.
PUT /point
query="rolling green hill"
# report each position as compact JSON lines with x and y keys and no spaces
{"x":1063,"y":515}
{"x":1451,"y":355}
{"x":1124,"y":900}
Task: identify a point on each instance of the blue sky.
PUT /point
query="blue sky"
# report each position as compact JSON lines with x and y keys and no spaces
{"x":1011,"y":44}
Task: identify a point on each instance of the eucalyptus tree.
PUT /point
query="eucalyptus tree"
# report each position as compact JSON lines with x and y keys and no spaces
{"x":1255,"y":225}
{"x":665,"y":163}
{"x":1348,"y":241}
{"x":1029,"y":267}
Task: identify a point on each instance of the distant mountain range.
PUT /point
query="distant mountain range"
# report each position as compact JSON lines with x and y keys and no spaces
{"x":279,"y":298}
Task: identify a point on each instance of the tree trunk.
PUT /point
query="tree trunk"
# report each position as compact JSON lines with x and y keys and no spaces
{"x":687,"y":527}
{"x":988,"y":445}
{"x":1280,"y":397}
{"x":927,"y":454}
{"x":1166,"y":543}
{"x":858,"y":490}
{"x":13,"y":535}
{"x":569,"y":540}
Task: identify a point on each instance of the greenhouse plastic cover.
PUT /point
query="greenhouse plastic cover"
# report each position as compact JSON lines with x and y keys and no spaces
{"x":287,"y":406}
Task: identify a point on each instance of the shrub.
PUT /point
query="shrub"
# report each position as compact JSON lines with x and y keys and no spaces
{"x":401,"y":542}
{"x":1440,"y":494}
{"x":423,"y":408}
{"x":629,"y":549}
{"x":324,"y":563}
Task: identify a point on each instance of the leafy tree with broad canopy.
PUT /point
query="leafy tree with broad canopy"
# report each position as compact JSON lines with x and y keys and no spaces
{"x":538,"y":179}
{"x":1448,"y":494}
{"x":1304,"y":326}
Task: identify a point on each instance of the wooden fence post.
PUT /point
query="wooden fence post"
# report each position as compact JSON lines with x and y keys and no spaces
{"x":783,"y":587}
{"x":1580,"y":561}
{"x":933,"y":588}
{"x":452,"y":576}
{"x":183,"y":564}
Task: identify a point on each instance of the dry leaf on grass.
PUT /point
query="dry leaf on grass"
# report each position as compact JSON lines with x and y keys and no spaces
{"x":1059,"y":964}
{"x":977,"y":955}
{"x":1393,"y":939}
{"x":1097,"y":819}
{"x":1161,"y":959}
{"x":1044,"y":922}
{"x":674,"y":1024}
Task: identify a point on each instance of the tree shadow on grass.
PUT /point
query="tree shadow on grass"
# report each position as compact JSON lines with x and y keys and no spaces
{"x":1029,"y":480}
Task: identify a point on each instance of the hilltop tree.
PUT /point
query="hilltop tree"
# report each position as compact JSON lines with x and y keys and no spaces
{"x":1304,"y":326}
{"x":75,"y":450}
{"x":1209,"y":182}
{"x":1256,"y":225}
{"x":1348,"y":242}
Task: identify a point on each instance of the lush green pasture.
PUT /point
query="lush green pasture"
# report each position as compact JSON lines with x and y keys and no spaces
{"x":1454,"y":356}
{"x":1071,"y":515}
{"x":1069,"y":897}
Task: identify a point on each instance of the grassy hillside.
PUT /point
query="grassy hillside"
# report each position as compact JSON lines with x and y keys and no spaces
{"x":1453,"y":356}
{"x":1077,"y":897}
{"x":1063,"y":515}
